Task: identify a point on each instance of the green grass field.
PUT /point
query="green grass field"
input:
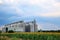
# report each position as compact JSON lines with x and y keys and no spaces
{"x":30,"y":36}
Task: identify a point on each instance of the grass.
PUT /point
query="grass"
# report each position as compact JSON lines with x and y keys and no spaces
{"x":31,"y":36}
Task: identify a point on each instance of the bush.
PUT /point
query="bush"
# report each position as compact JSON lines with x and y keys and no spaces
{"x":0,"y":31}
{"x":10,"y":31}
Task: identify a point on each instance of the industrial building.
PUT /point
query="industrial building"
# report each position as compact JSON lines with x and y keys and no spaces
{"x":21,"y":26}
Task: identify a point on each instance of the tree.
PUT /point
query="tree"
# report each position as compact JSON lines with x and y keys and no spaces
{"x":10,"y":31}
{"x":40,"y":30}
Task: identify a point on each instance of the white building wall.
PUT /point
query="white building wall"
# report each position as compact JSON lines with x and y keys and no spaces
{"x":20,"y":27}
{"x":16,"y":27}
{"x":31,"y":27}
{"x":3,"y":29}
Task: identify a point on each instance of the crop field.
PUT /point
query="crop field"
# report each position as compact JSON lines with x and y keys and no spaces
{"x":30,"y":36}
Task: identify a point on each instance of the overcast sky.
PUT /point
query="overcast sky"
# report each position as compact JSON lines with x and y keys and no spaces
{"x":45,"y":12}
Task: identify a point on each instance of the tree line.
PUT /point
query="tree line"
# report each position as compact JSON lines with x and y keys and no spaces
{"x":48,"y":30}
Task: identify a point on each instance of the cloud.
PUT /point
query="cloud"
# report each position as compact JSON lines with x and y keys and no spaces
{"x":52,"y":14}
{"x":1,"y":2}
{"x":29,"y":9}
{"x":48,"y":26}
{"x":50,"y":7}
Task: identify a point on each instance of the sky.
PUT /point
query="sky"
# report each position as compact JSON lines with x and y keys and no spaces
{"x":45,"y":12}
